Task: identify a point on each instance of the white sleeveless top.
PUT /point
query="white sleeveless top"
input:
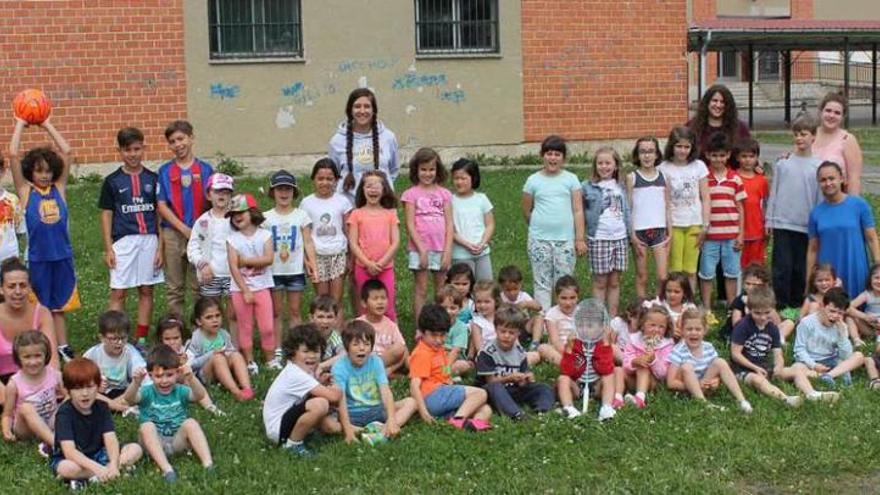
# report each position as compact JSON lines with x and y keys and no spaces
{"x":648,"y":202}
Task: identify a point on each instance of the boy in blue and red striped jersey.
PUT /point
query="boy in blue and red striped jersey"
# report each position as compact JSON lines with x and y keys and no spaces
{"x":182,"y":187}
{"x":130,"y":227}
{"x":724,"y":227}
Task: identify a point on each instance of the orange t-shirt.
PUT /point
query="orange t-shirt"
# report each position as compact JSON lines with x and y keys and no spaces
{"x":757,"y":191}
{"x":374,"y":230}
{"x":431,"y":366}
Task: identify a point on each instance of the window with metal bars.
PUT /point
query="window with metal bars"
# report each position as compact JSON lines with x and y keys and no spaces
{"x":456,"y":27}
{"x":243,"y":29}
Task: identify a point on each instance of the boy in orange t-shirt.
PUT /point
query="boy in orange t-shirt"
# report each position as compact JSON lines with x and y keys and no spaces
{"x":757,"y":191}
{"x":430,"y":381}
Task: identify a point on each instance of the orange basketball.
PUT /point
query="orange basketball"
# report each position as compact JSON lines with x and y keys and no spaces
{"x":32,"y":106}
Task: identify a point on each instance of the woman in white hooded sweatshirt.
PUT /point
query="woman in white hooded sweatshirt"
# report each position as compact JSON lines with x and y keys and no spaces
{"x":362,"y":143}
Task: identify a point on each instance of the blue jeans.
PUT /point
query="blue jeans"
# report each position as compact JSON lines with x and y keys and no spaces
{"x":445,"y":400}
{"x":714,"y":252}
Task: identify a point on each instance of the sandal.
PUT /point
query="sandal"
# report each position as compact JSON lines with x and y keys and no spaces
{"x":874,"y":384}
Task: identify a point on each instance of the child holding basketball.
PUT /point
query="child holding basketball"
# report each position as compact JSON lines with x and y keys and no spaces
{"x":40,"y":179}
{"x":181,"y":200}
{"x":130,"y":228}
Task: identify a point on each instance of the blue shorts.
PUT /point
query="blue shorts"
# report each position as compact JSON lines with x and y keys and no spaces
{"x":830,"y":362}
{"x":365,"y":416}
{"x":714,"y":252}
{"x":100,"y":457}
{"x":445,"y":400}
{"x":290,"y":283}
{"x":54,"y":284}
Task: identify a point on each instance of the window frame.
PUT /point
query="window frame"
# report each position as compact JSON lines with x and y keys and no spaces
{"x":214,"y":37}
{"x":457,"y":51}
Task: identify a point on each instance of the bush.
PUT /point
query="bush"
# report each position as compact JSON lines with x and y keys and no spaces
{"x":228,"y":165}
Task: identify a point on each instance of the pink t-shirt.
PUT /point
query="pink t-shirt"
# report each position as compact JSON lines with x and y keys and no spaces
{"x":387,"y":334}
{"x":42,"y":395}
{"x":374,"y":230}
{"x":430,"y":212}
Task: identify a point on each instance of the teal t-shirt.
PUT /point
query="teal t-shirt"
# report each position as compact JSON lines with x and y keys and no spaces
{"x":360,"y":385}
{"x":458,"y":336}
{"x":552,"y":218}
{"x":166,"y":411}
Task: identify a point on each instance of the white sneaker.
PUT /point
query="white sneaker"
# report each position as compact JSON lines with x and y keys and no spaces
{"x":824,"y":397}
{"x":253,"y":369}
{"x":570,"y":412}
{"x":131,"y":411}
{"x":745,"y":407}
{"x":606,"y":412}
{"x":794,"y":401}
{"x":275,"y":364}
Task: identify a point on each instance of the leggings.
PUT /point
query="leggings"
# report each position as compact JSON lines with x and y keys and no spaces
{"x":386,"y":276}
{"x":480,"y":265}
{"x":244,"y":313}
{"x":550,"y":260}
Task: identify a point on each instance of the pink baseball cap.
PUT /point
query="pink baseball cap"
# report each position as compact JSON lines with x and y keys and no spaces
{"x":219,"y":182}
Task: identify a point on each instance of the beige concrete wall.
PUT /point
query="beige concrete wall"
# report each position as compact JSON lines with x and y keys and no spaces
{"x":287,"y":108}
{"x":864,"y":10}
{"x":754,"y":7}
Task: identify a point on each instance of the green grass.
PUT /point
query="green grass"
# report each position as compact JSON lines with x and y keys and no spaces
{"x":869,"y":139}
{"x":673,"y":446}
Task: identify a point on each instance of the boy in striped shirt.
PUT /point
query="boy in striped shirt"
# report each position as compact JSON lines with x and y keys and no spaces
{"x":724,"y":228}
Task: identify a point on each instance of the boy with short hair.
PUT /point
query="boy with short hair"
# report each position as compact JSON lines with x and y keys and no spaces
{"x":86,"y":446}
{"x":430,"y":384}
{"x":390,"y":345}
{"x":369,"y":403}
{"x":503,"y":368}
{"x":116,"y":358}
{"x":457,"y":339}
{"x":181,"y":200}
{"x":822,"y":342}
{"x":724,"y":227}
{"x":297,"y":403}
{"x":165,"y":426}
{"x":324,"y":313}
{"x":130,"y":228}
{"x":510,"y":279}
{"x":794,"y":192}
{"x":757,"y":190}
{"x":754,"y":339}
{"x":753,"y":276}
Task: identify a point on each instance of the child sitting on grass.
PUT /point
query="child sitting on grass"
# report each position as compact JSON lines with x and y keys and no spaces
{"x":510,"y":279}
{"x":503,"y":368}
{"x":165,"y":426}
{"x":86,"y":446}
{"x":430,"y":383}
{"x":459,"y":334}
{"x":560,"y":319}
{"x":646,"y":355}
{"x":214,"y":354}
{"x":368,"y":400}
{"x":116,"y":358}
{"x":754,"y":275}
{"x":297,"y":403}
{"x":324,"y":313}
{"x":821,"y":343}
{"x":694,"y":365}
{"x":389,"y":345}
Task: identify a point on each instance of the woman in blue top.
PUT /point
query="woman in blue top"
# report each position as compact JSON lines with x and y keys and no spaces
{"x":839,"y":229}
{"x":553,"y":206}
{"x":41,"y":182}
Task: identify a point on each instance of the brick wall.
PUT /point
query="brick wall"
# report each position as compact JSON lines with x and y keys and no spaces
{"x":599,"y":69}
{"x":105,"y":64}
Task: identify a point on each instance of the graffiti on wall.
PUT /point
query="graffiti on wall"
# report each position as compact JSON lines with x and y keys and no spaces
{"x":224,"y":91}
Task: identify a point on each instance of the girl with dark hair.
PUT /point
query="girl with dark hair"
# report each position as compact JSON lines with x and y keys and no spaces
{"x":473,"y":219}
{"x":362,"y":143}
{"x":717,"y":113}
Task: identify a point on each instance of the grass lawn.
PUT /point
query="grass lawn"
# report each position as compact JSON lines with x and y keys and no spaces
{"x":675,"y":445}
{"x":869,"y":140}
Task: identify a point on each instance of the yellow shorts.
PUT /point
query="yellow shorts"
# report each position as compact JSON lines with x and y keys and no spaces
{"x":684,"y":251}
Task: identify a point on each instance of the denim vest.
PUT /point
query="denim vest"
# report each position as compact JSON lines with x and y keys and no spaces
{"x":593,"y":207}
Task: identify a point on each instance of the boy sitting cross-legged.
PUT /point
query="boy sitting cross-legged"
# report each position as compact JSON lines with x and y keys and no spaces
{"x":754,"y":339}
{"x":503,"y":368}
{"x":369,"y":401}
{"x":165,"y":428}
{"x":430,"y":383}
{"x":297,"y":403}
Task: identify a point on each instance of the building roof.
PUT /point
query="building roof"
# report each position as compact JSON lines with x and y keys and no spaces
{"x":737,"y":33}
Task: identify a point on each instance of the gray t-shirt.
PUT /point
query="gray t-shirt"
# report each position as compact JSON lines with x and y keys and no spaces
{"x":794,"y":192}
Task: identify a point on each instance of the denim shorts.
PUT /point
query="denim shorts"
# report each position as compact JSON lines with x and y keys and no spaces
{"x":435,"y":259}
{"x":290,"y":283}
{"x":365,"y":416}
{"x":445,"y":400}
{"x":713,"y":252}
{"x":57,"y":456}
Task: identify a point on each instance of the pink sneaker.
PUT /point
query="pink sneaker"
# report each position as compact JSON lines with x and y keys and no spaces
{"x":617,"y":403}
{"x":478,"y":425}
{"x":457,"y":422}
{"x":636,"y":401}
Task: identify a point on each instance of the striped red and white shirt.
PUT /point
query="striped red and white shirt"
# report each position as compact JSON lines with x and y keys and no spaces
{"x":724,"y":194}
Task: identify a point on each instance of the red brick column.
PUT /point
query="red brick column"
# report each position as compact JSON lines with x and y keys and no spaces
{"x":105,"y":65}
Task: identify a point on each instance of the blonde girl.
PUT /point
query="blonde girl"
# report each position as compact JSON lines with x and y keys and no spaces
{"x":646,"y":355}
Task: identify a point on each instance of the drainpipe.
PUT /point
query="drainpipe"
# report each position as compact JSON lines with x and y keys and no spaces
{"x":703,"y":50}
